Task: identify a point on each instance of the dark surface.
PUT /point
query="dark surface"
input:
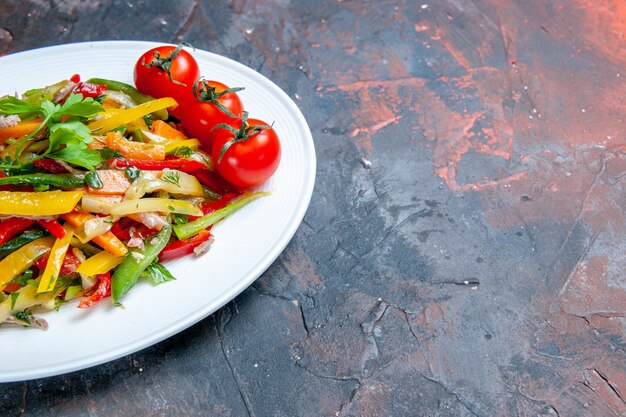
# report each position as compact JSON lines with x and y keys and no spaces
{"x":464,"y":251}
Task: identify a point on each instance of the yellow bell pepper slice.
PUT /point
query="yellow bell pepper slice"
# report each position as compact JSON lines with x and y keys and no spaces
{"x":23,"y":258}
{"x":163,"y":205}
{"x":57,"y":255}
{"x":27,"y":298}
{"x":45,"y":203}
{"x":99,"y":263}
{"x":189,"y":143}
{"x":129,"y":115}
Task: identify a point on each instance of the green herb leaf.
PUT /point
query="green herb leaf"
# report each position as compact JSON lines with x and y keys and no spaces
{"x":180,"y":218}
{"x":73,"y":292}
{"x":181,"y":151}
{"x":93,"y":180}
{"x":75,"y":105}
{"x":78,"y":155}
{"x":78,"y":129}
{"x":108,"y":153}
{"x":171,"y":176}
{"x":12,"y":105}
{"x":37,"y":96}
{"x":24,"y":317}
{"x":23,"y":279}
{"x":132,"y":173}
{"x":158,"y":274}
{"x":14,"y":297}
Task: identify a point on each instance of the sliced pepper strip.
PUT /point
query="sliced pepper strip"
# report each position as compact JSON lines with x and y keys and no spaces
{"x":54,"y":227}
{"x":45,"y":203}
{"x":171,"y":147}
{"x":214,"y":181}
{"x":135,"y":95}
{"x":125,"y":116}
{"x":27,"y":298}
{"x":19,"y":131}
{"x":14,"y":244}
{"x":163,"y":129}
{"x":186,"y":165}
{"x":181,"y":248}
{"x":163,"y":205}
{"x":51,"y":165}
{"x":57,"y":180}
{"x":100,"y":263}
{"x":55,"y":261}
{"x":107,"y":240}
{"x":187,"y":230}
{"x":23,"y":258}
{"x":102,"y":291}
{"x":127,"y":274}
{"x":12,"y":226}
{"x":137,"y":150}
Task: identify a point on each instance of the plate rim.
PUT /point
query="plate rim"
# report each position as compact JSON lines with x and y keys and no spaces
{"x":238,"y":286}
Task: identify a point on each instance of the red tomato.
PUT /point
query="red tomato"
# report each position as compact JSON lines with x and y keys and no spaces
{"x":214,"y":101}
{"x":253,"y":154}
{"x":167,"y":71}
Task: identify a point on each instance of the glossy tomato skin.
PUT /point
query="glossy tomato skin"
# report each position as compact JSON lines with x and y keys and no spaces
{"x":155,"y":81}
{"x":250,"y":162}
{"x":199,"y":118}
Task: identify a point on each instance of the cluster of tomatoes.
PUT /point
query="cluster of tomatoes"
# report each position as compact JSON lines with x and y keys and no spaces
{"x":246,"y":151}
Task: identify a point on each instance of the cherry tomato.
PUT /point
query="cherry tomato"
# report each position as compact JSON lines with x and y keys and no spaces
{"x":167,"y":71}
{"x":214,"y":104}
{"x":251,"y":154}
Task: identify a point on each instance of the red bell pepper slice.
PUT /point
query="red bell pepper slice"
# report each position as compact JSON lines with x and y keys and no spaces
{"x":214,"y":181}
{"x":89,"y":90}
{"x":75,"y":78}
{"x":102,"y":291}
{"x":182,"y":164}
{"x":12,"y":226}
{"x":181,"y":248}
{"x":119,"y":232}
{"x":211,"y":206}
{"x":131,"y":229}
{"x":70,"y":264}
{"x":42,"y":261}
{"x":12,"y":287}
{"x":54,"y":227}
{"x":51,"y":165}
{"x":141,"y":231}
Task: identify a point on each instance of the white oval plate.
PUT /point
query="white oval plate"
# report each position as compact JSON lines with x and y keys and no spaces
{"x":245,"y":243}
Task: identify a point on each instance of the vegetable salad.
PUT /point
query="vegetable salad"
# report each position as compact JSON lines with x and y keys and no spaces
{"x":100,"y":184}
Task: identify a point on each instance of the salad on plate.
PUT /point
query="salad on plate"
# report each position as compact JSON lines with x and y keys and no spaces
{"x":101,"y":182}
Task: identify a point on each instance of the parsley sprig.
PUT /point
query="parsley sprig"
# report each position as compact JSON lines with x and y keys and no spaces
{"x":68,"y":134}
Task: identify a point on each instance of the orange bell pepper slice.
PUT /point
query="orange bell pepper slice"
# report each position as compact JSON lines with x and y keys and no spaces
{"x":107,"y":241}
{"x":135,"y":150}
{"x":161,"y":128}
{"x":19,"y":131}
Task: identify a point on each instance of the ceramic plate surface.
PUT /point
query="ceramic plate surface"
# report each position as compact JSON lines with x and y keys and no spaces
{"x":245,"y":243}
